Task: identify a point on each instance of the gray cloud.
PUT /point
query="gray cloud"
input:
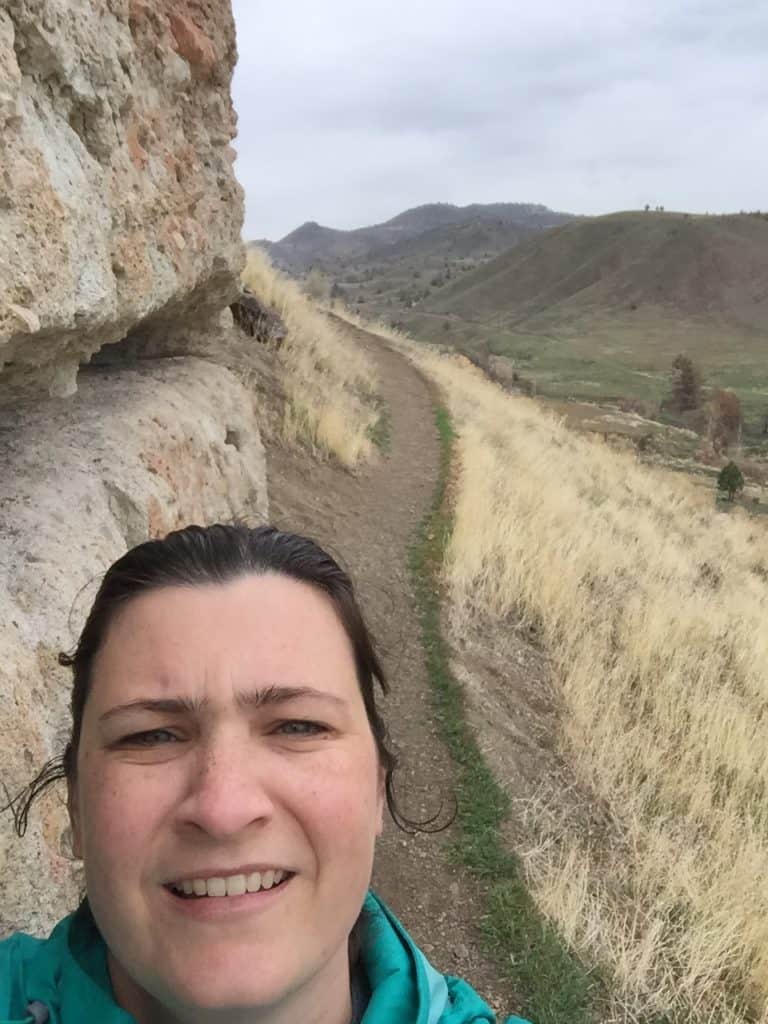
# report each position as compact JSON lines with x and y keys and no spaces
{"x":350,"y":113}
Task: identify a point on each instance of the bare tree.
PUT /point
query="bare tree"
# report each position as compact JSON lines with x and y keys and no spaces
{"x":725,"y":418}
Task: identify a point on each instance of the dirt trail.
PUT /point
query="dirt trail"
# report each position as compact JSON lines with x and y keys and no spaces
{"x":368,"y":521}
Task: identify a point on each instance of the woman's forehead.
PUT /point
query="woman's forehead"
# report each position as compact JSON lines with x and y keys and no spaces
{"x":248,"y":633}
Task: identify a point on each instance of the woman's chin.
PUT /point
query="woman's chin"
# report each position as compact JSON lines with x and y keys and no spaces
{"x":217,"y":976}
{"x":239,"y":986}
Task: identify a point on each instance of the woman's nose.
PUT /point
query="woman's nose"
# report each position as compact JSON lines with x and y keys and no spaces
{"x":228,"y":789}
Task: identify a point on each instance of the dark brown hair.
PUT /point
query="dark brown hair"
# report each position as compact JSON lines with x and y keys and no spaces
{"x":196,"y":556}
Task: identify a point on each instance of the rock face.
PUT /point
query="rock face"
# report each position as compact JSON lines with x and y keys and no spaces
{"x":128,"y":399}
{"x":119,"y":209}
{"x":134,"y":454}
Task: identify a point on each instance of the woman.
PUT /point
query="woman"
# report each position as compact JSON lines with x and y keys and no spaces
{"x":227,"y":773}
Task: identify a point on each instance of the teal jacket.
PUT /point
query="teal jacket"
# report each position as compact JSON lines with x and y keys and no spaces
{"x":64,"y":979}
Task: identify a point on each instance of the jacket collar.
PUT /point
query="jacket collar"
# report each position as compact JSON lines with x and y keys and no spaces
{"x":78,"y":988}
{"x":68,"y":974}
{"x":404,"y":985}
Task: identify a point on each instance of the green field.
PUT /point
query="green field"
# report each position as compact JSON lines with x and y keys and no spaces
{"x":611,"y":360}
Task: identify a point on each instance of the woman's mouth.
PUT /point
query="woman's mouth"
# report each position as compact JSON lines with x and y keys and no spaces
{"x":231,"y":885}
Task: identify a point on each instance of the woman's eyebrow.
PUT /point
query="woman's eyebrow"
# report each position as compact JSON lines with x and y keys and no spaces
{"x":276,"y":694}
{"x":247,"y":699}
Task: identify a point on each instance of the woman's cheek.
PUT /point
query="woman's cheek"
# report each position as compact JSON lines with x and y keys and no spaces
{"x":344,"y":808}
{"x":123,"y":809}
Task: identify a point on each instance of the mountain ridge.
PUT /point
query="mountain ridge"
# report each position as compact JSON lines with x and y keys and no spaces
{"x":314,"y":244}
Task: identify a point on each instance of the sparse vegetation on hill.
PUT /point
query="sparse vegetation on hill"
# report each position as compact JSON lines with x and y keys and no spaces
{"x":653,"y":609}
{"x":391,"y":266}
{"x":687,"y":265}
{"x":329,"y":383}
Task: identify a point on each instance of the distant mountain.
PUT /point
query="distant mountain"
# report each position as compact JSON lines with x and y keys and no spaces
{"x":315,"y":245}
{"x":455,"y":230}
{"x":681,"y":265}
{"x":435,"y":215}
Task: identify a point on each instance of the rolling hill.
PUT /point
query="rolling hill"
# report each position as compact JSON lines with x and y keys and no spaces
{"x":600,"y":306}
{"x":685,"y":266}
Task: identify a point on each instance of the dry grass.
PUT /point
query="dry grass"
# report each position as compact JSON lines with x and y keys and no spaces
{"x":329,"y":383}
{"x":655,"y":609}
{"x":379,"y":327}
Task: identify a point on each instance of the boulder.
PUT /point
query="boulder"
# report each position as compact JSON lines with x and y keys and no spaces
{"x":255,"y":320}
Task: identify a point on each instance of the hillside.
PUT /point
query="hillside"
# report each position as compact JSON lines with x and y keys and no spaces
{"x":311,"y":244}
{"x":687,"y":266}
{"x":601,"y":306}
{"x":473,"y":240}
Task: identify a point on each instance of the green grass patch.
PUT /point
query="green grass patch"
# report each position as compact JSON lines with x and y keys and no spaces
{"x":555,"y":987}
{"x":380,"y":432}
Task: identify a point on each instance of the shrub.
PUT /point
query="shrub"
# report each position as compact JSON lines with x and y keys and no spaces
{"x":731,"y":480}
{"x":317,"y":285}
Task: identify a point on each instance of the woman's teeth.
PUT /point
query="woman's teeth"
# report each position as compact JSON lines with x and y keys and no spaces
{"x":235,"y":885}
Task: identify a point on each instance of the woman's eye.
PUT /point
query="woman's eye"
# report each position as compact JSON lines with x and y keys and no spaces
{"x":148,"y":739}
{"x":297,"y":727}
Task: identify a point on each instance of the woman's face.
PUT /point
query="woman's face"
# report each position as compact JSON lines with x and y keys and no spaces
{"x":225,"y":736}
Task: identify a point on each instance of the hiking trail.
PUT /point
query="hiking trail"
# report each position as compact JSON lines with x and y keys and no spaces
{"x":368,"y":520}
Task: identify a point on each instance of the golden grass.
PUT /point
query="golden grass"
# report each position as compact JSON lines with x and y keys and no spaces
{"x":654,"y":607}
{"x":328,"y":381}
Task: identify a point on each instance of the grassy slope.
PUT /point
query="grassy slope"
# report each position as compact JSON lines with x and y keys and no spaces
{"x":385,"y":267}
{"x":331,"y":399}
{"x":652,"y":607}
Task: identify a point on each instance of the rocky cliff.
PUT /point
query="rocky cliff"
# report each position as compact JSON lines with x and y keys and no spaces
{"x":134,"y":454}
{"x":128,"y":402}
{"x":118,"y":203}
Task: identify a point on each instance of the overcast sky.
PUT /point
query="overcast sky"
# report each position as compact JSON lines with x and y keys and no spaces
{"x":350,"y":111}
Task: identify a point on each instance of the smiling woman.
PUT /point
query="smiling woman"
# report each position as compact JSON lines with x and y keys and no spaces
{"x":227,"y":773}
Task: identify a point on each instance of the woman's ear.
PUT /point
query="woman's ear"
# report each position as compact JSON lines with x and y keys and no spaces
{"x":74,"y":820}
